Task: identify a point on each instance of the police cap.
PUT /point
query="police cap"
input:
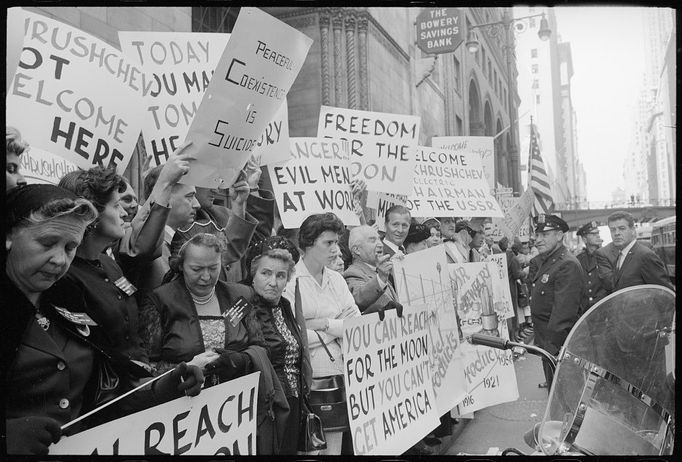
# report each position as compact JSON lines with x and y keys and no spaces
{"x":549,"y":223}
{"x":587,"y":228}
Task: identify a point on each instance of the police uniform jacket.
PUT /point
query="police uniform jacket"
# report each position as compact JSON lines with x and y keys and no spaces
{"x":556,"y":297}
{"x":594,"y":290}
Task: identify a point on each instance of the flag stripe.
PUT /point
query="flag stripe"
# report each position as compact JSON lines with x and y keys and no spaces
{"x":538,"y":178}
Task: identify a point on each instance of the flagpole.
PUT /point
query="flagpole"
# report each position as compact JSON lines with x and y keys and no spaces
{"x":530,"y":166}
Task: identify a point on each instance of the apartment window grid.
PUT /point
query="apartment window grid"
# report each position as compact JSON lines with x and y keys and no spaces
{"x":535,"y":68}
{"x":536,"y":84}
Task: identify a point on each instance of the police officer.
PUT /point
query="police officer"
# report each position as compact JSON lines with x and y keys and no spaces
{"x":557,"y":288}
{"x":589,"y":233}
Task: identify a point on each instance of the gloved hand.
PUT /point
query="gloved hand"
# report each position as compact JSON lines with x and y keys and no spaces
{"x":230,"y":364}
{"x":394,"y":305}
{"x":171,"y":386}
{"x":31,"y":435}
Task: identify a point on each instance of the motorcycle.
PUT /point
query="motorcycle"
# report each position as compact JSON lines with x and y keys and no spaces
{"x":613,"y":391}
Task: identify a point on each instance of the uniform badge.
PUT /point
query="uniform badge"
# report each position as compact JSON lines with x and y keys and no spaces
{"x":125,"y":285}
{"x":541,"y":218}
{"x":593,"y":224}
{"x":545,"y":278}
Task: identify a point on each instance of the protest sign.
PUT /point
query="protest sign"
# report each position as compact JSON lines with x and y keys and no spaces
{"x":273,"y":145}
{"x":498,"y":229}
{"x":15,"y":41}
{"x":75,"y":95}
{"x":484,"y":146}
{"x":315,"y":179}
{"x":500,"y":279}
{"x":221,"y":420}
{"x":39,"y":166}
{"x":449,"y":183}
{"x":390,"y":398}
{"x":422,"y":279}
{"x":381,"y":202}
{"x":179,"y":67}
{"x":490,"y":376}
{"x":517,"y":214}
{"x":254,"y":75}
{"x":482,"y":305}
{"x":382,"y":145}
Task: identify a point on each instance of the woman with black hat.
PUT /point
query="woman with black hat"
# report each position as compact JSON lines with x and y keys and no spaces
{"x":52,"y":353}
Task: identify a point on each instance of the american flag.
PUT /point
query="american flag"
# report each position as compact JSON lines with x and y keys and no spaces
{"x":538,"y":178}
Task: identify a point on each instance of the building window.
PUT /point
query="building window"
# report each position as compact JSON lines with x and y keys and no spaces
{"x":458,"y":122}
{"x":537,"y":99}
{"x":458,"y":82}
{"x":534,"y":68}
{"x":534,"y":53}
{"x":536,"y":84}
{"x":484,"y":60}
{"x":531,"y":23}
{"x":214,"y":19}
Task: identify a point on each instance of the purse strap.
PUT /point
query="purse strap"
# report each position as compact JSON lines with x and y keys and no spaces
{"x":331,"y":358}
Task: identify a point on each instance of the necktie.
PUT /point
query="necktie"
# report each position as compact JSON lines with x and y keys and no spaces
{"x":621,"y":257}
{"x":401,"y":248}
{"x":471,"y":255}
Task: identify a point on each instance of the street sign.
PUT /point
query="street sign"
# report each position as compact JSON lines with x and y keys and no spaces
{"x":440,"y":30}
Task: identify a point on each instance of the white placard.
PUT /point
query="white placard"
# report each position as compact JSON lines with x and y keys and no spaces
{"x":221,"y":420}
{"x":484,"y":146}
{"x":75,"y":95}
{"x":39,"y":166}
{"x":382,"y":145}
{"x":254,"y":75}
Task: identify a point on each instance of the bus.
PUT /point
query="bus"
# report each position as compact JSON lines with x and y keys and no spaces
{"x":663,"y":239}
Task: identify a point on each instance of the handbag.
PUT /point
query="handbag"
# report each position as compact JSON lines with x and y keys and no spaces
{"x":328,"y":399}
{"x":311,"y":436}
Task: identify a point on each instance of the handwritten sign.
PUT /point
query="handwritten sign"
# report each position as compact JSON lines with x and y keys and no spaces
{"x":484,"y":146}
{"x":390,"y":398}
{"x":382,"y":145}
{"x":498,"y":229}
{"x":500,"y":280}
{"x":273,"y":145}
{"x":450,"y":183}
{"x":221,"y":420}
{"x":515,"y":217}
{"x":490,"y":376}
{"x":316,"y":179}
{"x":39,"y":166}
{"x":422,"y":279}
{"x":179,"y":67}
{"x":381,"y":202}
{"x":75,"y":95}
{"x":254,"y":75}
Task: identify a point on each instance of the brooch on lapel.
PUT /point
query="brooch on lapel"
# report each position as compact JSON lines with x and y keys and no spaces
{"x":545,"y":278}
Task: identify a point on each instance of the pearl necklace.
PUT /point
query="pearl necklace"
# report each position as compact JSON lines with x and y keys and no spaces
{"x":203,"y":300}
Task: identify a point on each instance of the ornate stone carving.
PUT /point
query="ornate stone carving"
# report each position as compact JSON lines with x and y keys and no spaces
{"x":324,"y":21}
{"x":337,"y":25}
{"x":350,"y":61}
{"x":362,"y":23}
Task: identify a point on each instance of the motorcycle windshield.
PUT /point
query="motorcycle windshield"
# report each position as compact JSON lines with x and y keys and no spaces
{"x":614,"y":387}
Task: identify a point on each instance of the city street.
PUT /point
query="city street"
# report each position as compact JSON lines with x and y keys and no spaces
{"x":499,"y":427}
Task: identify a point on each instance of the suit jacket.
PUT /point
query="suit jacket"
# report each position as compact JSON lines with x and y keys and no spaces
{"x":363,"y":284}
{"x":556,"y":297}
{"x":641,"y":266}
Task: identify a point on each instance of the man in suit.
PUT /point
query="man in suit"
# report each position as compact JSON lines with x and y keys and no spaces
{"x":625,"y":262}
{"x":397,"y":226}
{"x":589,"y":233}
{"x":557,"y":289}
{"x":367,"y":277}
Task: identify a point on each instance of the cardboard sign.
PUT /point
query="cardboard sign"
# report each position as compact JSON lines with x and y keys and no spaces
{"x":316,"y":179}
{"x":273,"y":144}
{"x":490,"y":376}
{"x":498,"y":229}
{"x":514,"y":218}
{"x":390,"y":397}
{"x":382,"y":145}
{"x":450,"y":183}
{"x":179,"y":67}
{"x":221,"y":420}
{"x":381,"y":202}
{"x":422,"y":279}
{"x":500,"y":279}
{"x":254,"y":75}
{"x":39,"y":166}
{"x":75,"y":95}
{"x":484,"y":146}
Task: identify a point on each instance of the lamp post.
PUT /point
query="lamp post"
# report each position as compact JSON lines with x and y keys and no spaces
{"x":507,"y":25}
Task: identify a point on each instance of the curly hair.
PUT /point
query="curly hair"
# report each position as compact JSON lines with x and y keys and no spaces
{"x":314,"y":225}
{"x":14,"y":143}
{"x":622,"y":215}
{"x":97,"y":185}
{"x":282,"y":255}
{"x":175,"y":261}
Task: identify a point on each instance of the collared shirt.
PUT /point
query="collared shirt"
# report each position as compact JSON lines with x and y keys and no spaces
{"x":395,"y":248}
{"x":624,"y":252}
{"x":168,"y":234}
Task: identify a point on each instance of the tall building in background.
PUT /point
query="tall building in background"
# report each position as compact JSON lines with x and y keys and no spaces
{"x":649,"y":169}
{"x":545,"y":71}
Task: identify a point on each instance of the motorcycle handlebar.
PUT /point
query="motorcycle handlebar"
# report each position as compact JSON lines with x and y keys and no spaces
{"x":490,"y":341}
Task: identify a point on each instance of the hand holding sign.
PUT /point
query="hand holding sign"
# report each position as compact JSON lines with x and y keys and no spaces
{"x":32,"y":435}
{"x":384,"y":267}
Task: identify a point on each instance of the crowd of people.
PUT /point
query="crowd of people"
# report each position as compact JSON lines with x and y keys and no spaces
{"x":104,"y":292}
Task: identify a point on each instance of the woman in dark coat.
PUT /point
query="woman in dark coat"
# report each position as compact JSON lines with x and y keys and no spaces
{"x":52,"y":353}
{"x":271,"y":263}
